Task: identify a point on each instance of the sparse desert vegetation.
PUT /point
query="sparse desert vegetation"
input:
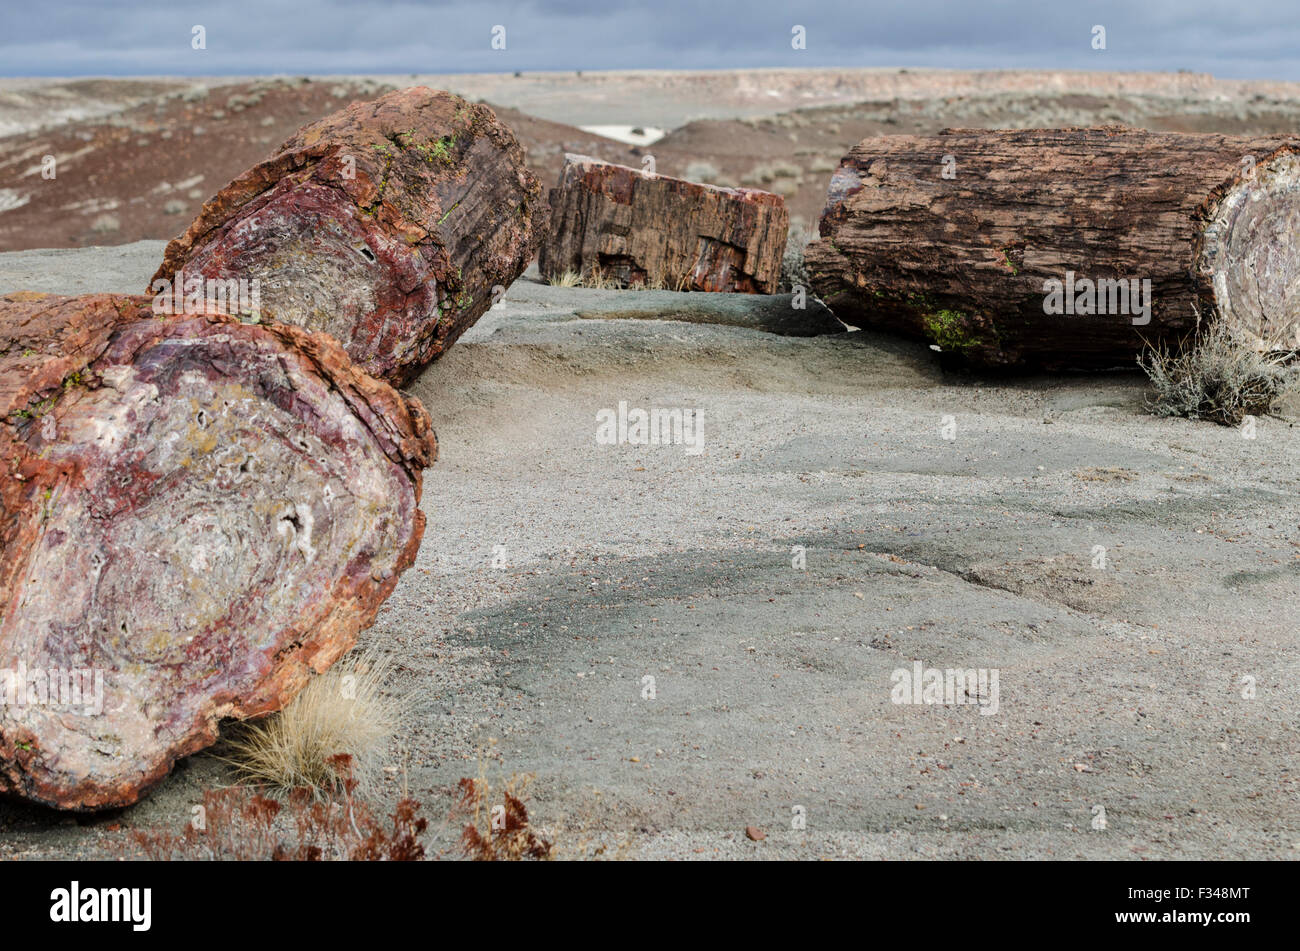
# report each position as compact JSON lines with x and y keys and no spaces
{"x":784,"y":178}
{"x":598,"y":280}
{"x":593,"y":279}
{"x":702,"y":171}
{"x":1217,"y":377}
{"x":239,"y":824}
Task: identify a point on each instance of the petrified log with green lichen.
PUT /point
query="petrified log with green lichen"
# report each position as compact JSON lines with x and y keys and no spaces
{"x":1062,"y":248}
{"x":195,"y":514}
{"x":392,"y":225}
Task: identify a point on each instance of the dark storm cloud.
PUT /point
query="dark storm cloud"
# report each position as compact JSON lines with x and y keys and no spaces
{"x":91,"y":37}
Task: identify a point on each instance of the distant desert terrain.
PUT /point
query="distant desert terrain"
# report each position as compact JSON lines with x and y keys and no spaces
{"x":139,"y":157}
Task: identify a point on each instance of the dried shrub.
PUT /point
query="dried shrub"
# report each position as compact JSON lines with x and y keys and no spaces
{"x":238,"y":824}
{"x":498,"y":831}
{"x":702,"y":171}
{"x":770,"y":172}
{"x":793,"y":269}
{"x":344,"y":711}
{"x":1215,"y":377}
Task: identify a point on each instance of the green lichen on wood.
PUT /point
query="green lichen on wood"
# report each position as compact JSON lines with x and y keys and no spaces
{"x":951,"y":330}
{"x":47,"y":505}
{"x":39,"y":405}
{"x":448,"y":212}
{"x":373,"y":207}
{"x":441,"y":150}
{"x":1007,"y":262}
{"x":36,"y":408}
{"x":435,"y":151}
{"x":923,"y":303}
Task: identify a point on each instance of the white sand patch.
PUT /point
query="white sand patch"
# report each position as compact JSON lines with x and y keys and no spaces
{"x":59,"y":161}
{"x":10,"y":199}
{"x":631,"y":134}
{"x":92,"y":206}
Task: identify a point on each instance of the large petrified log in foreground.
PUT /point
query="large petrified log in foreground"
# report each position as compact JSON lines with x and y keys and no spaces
{"x":389,"y":225}
{"x":196,"y":514}
{"x":1045,"y":248}
{"x":648,"y":230}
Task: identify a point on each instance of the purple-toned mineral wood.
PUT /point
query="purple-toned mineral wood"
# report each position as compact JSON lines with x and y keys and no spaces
{"x":392,"y":225}
{"x":197,"y":513}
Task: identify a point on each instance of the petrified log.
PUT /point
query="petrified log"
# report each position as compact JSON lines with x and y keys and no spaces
{"x":641,"y":229}
{"x":197,"y":514}
{"x":1062,"y":248}
{"x":387,"y":225}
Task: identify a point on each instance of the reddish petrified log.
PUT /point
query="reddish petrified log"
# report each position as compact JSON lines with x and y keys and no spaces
{"x":392,"y":225}
{"x":196,"y":514}
{"x":639,"y":229}
{"x":1063,"y":248}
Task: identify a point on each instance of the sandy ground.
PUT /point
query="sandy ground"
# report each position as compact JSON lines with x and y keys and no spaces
{"x":1119,"y":687}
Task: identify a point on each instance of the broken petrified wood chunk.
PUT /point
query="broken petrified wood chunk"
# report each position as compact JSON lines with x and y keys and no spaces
{"x":196,"y":514}
{"x":392,"y":225}
{"x":648,"y":230}
{"x":1063,"y":248}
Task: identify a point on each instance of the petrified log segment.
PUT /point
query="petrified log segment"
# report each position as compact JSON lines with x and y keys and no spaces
{"x":956,"y":238}
{"x":641,"y":229}
{"x":196,"y":514}
{"x":386,"y":225}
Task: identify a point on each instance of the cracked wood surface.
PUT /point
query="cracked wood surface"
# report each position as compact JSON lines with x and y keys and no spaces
{"x":655,"y":231}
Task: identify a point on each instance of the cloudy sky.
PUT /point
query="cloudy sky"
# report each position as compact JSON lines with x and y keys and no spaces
{"x":1245,"y":38}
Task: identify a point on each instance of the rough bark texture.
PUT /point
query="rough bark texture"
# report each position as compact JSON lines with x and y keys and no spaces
{"x":651,"y":230}
{"x":963,"y":261}
{"x":201,"y":511}
{"x":387,"y":225}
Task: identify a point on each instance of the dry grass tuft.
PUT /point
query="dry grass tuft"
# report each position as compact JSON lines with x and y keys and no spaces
{"x":343,"y":712}
{"x":664,"y":283}
{"x":1216,"y":377}
{"x":601,"y":281}
{"x":567,"y":279}
{"x":596,"y":279}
